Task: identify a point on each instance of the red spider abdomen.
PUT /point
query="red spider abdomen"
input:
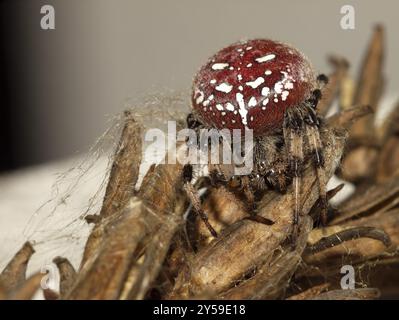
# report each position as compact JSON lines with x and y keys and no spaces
{"x":249,"y":85}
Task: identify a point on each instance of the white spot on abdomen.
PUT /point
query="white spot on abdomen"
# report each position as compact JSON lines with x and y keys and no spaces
{"x":265,"y":58}
{"x":219,"y":66}
{"x":200,"y":98}
{"x":265,"y":91}
{"x":284,"y":95}
{"x":252,"y":102}
{"x":278,"y":87}
{"x":256,"y":83}
{"x":243,"y":111}
{"x":229,"y":106}
{"x":224,"y":87}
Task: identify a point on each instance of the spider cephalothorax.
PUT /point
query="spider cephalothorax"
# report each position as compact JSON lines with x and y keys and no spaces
{"x":270,"y":88}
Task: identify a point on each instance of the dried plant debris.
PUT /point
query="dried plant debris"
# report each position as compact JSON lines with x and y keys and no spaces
{"x":253,"y":242}
{"x":336,"y":81}
{"x":147,"y":243}
{"x":14,"y":284}
{"x":360,"y":161}
{"x":354,"y":294}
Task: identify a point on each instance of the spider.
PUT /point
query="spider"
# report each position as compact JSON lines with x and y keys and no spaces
{"x":268,"y":87}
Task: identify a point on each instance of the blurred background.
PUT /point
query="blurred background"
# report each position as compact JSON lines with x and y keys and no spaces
{"x":59,"y":88}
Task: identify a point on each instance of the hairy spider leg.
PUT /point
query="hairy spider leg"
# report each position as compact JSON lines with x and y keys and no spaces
{"x":293,"y":136}
{"x":194,"y":198}
{"x":312,"y":124}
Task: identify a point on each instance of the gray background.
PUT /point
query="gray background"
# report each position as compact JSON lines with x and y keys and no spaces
{"x":75,"y":78}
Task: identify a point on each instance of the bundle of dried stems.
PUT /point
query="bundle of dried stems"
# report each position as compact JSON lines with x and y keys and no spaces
{"x":143,"y":247}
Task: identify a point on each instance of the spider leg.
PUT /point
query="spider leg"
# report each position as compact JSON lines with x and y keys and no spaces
{"x":322,"y":80}
{"x":314,"y":99}
{"x":249,"y":193}
{"x":193,"y":122}
{"x":312,"y":124}
{"x":246,"y":187}
{"x":293,"y":136}
{"x":194,"y":198}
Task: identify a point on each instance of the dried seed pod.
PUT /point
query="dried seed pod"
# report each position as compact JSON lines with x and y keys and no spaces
{"x":27,"y":289}
{"x":14,"y":273}
{"x":359,"y":165}
{"x":388,"y":158}
{"x":361,"y":154}
{"x":103,"y":275}
{"x":223,"y":209}
{"x":122,"y":180}
{"x":50,"y":294}
{"x":144,"y":221}
{"x":3,"y":293}
{"x":333,"y":87}
{"x":125,"y":167}
{"x":390,"y":125}
{"x":67,"y":274}
{"x":346,"y":118}
{"x":272,"y":278}
{"x":370,"y":200}
{"x":370,"y":84}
